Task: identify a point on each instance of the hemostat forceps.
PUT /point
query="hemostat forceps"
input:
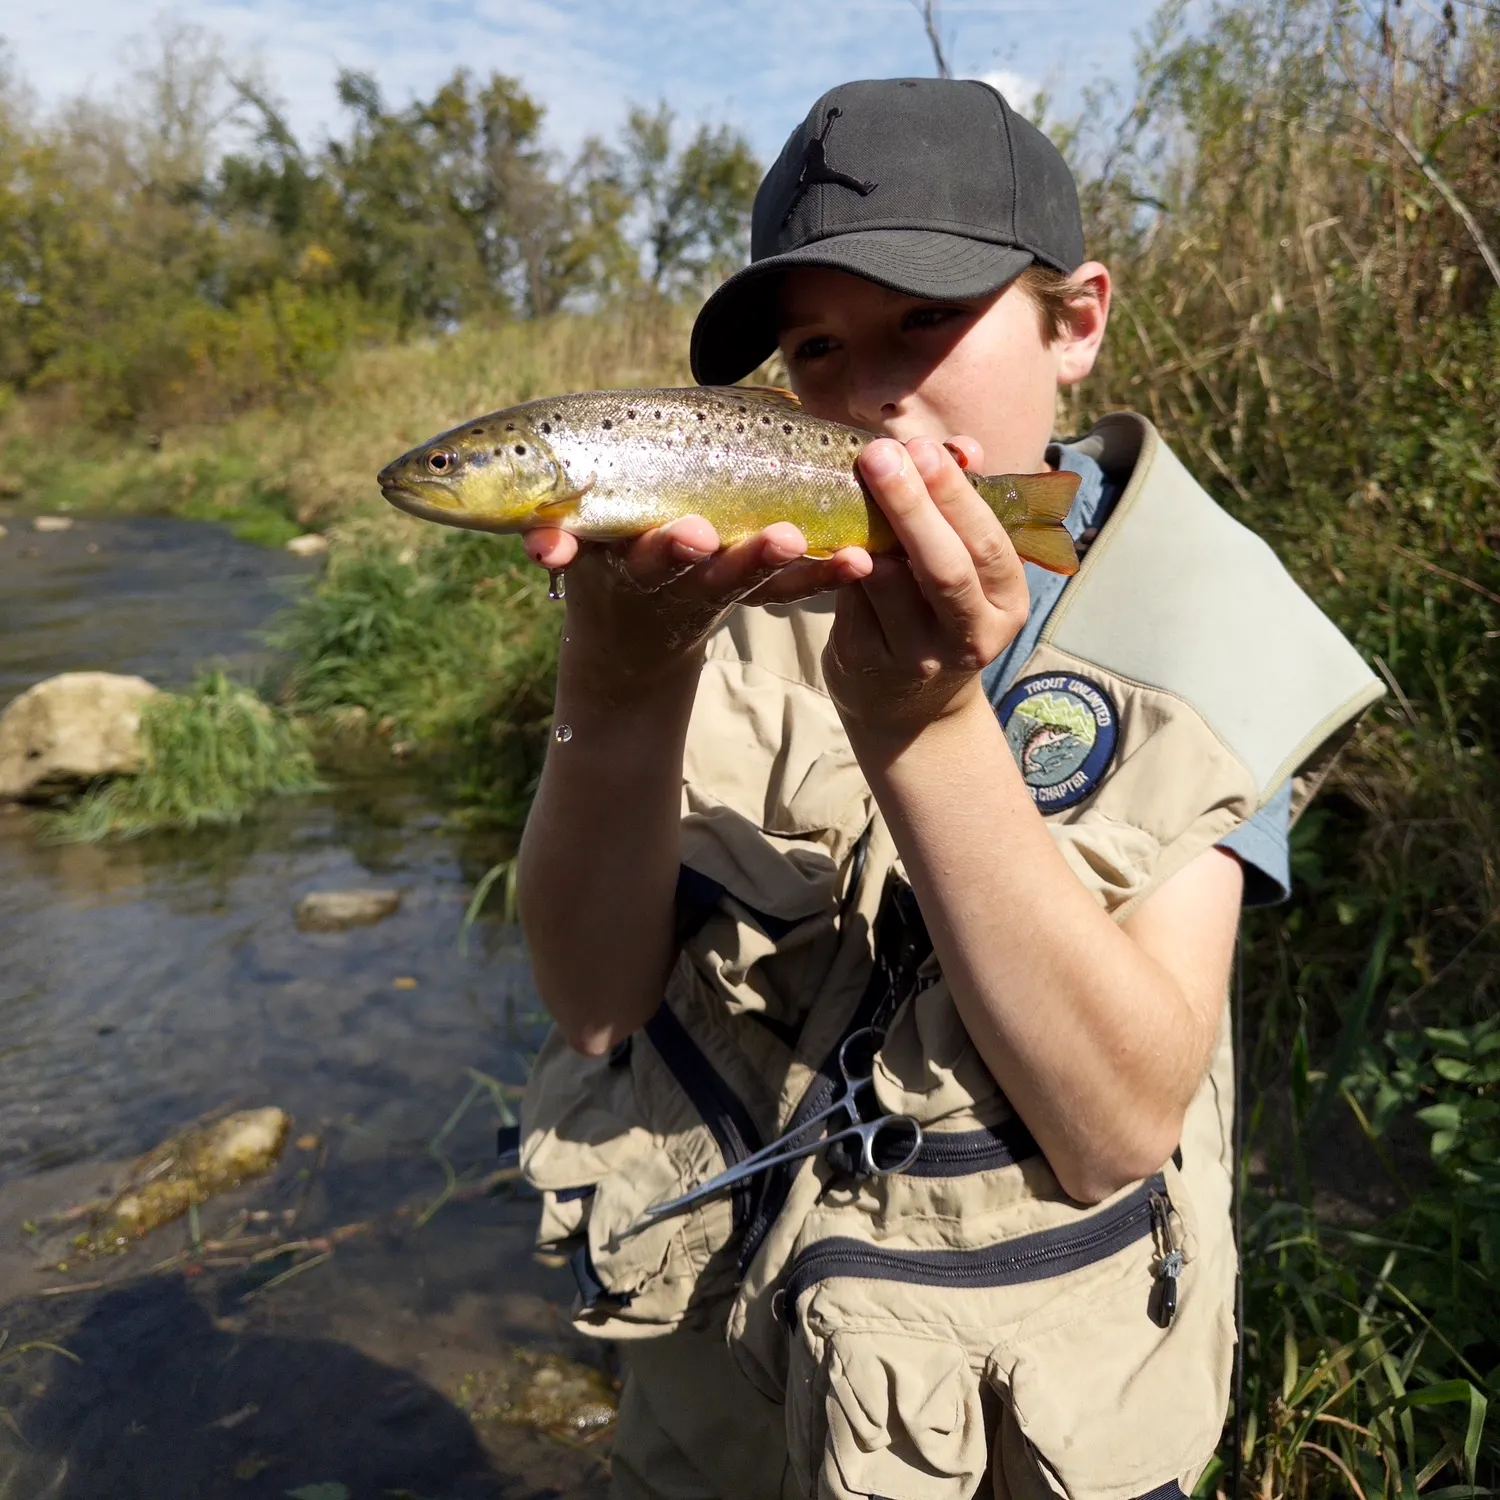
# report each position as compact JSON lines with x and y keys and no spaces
{"x":899,"y":1137}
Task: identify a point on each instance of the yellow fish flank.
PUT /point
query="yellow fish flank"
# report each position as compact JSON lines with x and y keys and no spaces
{"x":607,"y":465}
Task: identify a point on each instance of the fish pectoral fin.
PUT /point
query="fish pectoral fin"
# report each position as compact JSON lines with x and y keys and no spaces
{"x":554,"y":512}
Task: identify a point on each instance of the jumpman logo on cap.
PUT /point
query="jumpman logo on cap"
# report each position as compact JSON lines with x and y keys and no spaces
{"x":815,"y":169}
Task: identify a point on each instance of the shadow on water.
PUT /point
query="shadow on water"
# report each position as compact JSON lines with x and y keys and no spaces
{"x":159,"y":1403}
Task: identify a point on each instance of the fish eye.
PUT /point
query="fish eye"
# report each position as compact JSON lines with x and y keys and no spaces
{"x":442,"y":460}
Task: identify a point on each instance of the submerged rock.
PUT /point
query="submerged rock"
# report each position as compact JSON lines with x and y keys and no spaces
{"x":190,"y":1168}
{"x":334,"y":911}
{"x":52,"y":523}
{"x":309,"y":544}
{"x":70,"y":730}
{"x":544,"y":1391}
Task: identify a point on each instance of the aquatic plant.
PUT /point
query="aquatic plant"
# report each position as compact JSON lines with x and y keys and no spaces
{"x":210,"y":756}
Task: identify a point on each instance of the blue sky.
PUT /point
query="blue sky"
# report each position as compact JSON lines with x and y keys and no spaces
{"x":759,"y":63}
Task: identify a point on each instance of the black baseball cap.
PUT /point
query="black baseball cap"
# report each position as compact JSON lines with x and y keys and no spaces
{"x":934,"y":187}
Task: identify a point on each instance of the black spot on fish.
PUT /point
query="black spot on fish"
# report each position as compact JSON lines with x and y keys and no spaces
{"x":765,"y":421}
{"x":658,"y":416}
{"x":702,"y":416}
{"x":498,"y":451}
{"x":478,"y":432}
{"x":825,"y":439}
{"x":521,"y":450}
{"x":510,"y":426}
{"x":739,"y":426}
{"x":631,"y":415}
{"x":854,"y":442}
{"x":786,"y":427}
{"x":607,"y":424}
{"x":557,"y":416}
{"x":546,"y":427}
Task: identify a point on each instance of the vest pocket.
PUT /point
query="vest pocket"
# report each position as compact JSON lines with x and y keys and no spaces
{"x":886,"y":1413}
{"x":1090,"y":1337}
{"x":607,"y":1139}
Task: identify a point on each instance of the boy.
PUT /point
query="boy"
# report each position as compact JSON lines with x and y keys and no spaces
{"x":747,"y":794}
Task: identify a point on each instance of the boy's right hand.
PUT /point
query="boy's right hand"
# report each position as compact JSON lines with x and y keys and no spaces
{"x":638,"y":610}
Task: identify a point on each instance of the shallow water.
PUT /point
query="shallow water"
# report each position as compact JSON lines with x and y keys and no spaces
{"x":144,"y":985}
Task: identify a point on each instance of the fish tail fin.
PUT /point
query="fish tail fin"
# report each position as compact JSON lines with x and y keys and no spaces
{"x":1032,"y":508}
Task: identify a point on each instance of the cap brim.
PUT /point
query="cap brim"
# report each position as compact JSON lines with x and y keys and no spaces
{"x":736,"y":328}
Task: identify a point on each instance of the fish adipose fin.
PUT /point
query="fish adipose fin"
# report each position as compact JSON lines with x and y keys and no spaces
{"x":1033,"y":508}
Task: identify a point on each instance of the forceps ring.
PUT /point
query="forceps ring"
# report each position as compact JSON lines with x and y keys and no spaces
{"x":888,"y":1145}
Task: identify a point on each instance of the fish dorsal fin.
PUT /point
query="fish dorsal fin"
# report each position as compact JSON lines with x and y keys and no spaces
{"x":775,"y":395}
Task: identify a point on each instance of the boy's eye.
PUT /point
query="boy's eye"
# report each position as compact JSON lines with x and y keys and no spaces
{"x":813,"y":348}
{"x":931,"y":317}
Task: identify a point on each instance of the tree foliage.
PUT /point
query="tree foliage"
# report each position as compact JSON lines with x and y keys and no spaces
{"x":177,"y":253}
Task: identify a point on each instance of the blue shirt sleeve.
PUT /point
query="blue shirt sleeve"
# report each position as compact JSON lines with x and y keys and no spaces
{"x":1263,"y":847}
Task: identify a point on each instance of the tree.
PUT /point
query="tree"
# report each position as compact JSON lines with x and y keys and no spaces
{"x":694,"y":203}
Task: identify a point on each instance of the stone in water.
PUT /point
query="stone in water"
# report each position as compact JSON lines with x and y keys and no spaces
{"x":335,"y":911}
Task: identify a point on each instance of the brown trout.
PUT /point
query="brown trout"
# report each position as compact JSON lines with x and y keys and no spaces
{"x":607,"y":465}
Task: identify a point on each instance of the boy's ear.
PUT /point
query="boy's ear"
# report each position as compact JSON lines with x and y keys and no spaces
{"x":1078,"y":345}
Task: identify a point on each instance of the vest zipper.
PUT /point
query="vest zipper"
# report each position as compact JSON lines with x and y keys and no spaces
{"x":961,"y":1153}
{"x":1030,"y":1257}
{"x":719,"y":1107}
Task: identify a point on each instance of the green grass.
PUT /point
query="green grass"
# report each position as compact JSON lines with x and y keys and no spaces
{"x":210,"y":757}
{"x":449,"y":653}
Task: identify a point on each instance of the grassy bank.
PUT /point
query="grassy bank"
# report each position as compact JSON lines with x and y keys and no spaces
{"x":209,"y":756}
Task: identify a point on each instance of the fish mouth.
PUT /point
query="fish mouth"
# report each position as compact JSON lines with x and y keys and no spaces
{"x":408,"y":496}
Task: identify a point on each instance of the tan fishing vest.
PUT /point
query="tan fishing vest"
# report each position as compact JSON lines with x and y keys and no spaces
{"x":1180,"y":682}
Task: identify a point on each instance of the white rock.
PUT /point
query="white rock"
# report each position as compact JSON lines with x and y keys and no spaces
{"x":333,"y":911}
{"x":309,"y":544}
{"x":52,"y":523}
{"x":71,"y":729}
{"x":3,"y":533}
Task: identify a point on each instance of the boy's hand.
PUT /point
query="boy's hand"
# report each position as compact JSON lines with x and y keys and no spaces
{"x":909,"y":643}
{"x":639,"y":610}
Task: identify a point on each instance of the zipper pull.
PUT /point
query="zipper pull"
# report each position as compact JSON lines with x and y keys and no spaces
{"x":1169,"y":1268}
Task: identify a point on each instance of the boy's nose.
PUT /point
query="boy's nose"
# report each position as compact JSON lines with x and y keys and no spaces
{"x":875,"y":404}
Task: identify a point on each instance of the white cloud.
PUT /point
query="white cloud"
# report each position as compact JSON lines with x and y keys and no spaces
{"x":1020,"y":90}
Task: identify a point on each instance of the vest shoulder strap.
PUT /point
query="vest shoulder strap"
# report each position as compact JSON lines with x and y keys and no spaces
{"x":1176,"y":595}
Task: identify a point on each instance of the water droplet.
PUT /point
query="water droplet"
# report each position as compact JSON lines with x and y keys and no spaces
{"x":557,"y":585}
{"x":562,"y":733}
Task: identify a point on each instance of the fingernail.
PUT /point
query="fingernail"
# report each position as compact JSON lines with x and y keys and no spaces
{"x":881,"y":460}
{"x":959,"y":456}
{"x":926,"y":458}
{"x":687,"y":551}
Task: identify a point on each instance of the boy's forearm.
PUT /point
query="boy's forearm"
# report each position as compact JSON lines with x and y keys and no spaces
{"x":600,"y":854}
{"x":1097,"y":1046}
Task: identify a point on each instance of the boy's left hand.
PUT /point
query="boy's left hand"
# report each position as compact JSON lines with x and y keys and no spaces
{"x":909,"y":642}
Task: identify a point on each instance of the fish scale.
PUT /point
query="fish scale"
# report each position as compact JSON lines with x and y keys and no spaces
{"x":608,"y":465}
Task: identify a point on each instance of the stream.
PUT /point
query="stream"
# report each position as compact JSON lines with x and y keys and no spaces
{"x":146,"y":985}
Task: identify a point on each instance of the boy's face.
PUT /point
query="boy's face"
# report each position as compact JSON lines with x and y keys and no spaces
{"x":905,"y":367}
